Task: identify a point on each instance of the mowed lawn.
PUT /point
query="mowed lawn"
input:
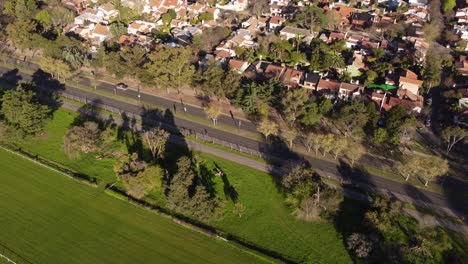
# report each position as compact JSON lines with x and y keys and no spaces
{"x":48,"y":218}
{"x":267,"y":221}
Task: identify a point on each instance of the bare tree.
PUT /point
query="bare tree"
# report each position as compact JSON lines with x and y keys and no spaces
{"x":453,"y":135}
{"x":268,"y":128}
{"x":213,"y":112}
{"x":354,"y":151}
{"x":156,"y":139}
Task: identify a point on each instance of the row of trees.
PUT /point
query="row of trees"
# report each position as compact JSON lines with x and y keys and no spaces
{"x":143,"y":175}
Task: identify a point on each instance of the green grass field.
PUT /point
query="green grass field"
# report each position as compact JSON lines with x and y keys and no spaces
{"x":267,"y":221}
{"x":49,"y":218}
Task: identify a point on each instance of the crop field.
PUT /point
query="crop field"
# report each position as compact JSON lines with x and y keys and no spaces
{"x":49,"y":218}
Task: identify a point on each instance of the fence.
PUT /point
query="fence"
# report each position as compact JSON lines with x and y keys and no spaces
{"x":9,"y":256}
{"x":172,"y":128}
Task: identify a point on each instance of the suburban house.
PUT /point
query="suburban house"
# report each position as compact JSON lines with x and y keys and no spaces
{"x":409,"y":81}
{"x":234,"y":5}
{"x":328,"y":88}
{"x":274,"y":71}
{"x":140,"y":27}
{"x":89,"y":15}
{"x":294,"y":32}
{"x":362,"y":20}
{"x":238,"y":65}
{"x":311,"y":80}
{"x":275,"y":22}
{"x":108,"y":11}
{"x":100,"y":33}
{"x":411,"y":106}
{"x":347,"y":90}
{"x":292,"y":78}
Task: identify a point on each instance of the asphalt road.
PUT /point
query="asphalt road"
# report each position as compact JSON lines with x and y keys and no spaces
{"x":342,"y":170}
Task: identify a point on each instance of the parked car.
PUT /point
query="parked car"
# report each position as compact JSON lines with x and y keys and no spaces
{"x":121,"y":86}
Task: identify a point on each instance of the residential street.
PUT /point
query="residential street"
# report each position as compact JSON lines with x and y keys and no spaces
{"x":342,"y":170}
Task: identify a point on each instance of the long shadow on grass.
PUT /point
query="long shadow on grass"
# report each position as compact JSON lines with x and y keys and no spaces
{"x":12,"y":77}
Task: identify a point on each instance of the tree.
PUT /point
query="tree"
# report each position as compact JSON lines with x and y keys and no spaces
{"x":129,"y":164}
{"x":144,"y":182}
{"x":339,"y":145}
{"x":156,"y":139}
{"x":453,"y":135}
{"x":290,"y":135}
{"x":448,"y":5}
{"x":171,"y":67}
{"x":44,"y":19}
{"x":293,"y":104}
{"x":370,"y":77}
{"x":180,"y":186}
{"x":380,"y":136}
{"x":82,"y":139}
{"x":213,"y":112}
{"x":354,"y":151}
{"x":433,"y":167}
{"x":210,"y":38}
{"x":325,"y":106}
{"x":327,"y":143}
{"x":57,"y":68}
{"x":398,"y":121}
{"x":117,"y":29}
{"x":268,"y":128}
{"x":216,"y":81}
{"x":21,"y":33}
{"x":411,"y":167}
{"x":352,"y":116}
{"x":61,"y":16}
{"x":359,"y":244}
{"x":313,"y":140}
{"x":22,"y":110}
{"x":310,"y":116}
{"x":335,"y":60}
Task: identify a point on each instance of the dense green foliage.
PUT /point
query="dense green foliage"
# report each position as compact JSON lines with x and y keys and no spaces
{"x":22,"y":111}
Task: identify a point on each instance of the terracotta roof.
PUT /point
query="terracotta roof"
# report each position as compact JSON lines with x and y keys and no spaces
{"x":223,"y":54}
{"x":276,"y":20}
{"x":410,"y":74}
{"x":349,"y":86}
{"x":328,"y":84}
{"x":135,"y":25}
{"x":236,"y":64}
{"x":410,"y":80}
{"x":126,"y":39}
{"x":409,"y":105}
{"x":292,"y":74}
{"x":345,"y":11}
{"x":377,"y":95}
{"x":402,"y":93}
{"x":101,"y":30}
{"x":335,"y":35}
{"x":274,"y":70}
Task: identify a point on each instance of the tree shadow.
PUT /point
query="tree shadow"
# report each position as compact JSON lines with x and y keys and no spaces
{"x":207,"y":179}
{"x":229,"y":190}
{"x":203,"y":99}
{"x":12,"y":77}
{"x":49,"y":89}
{"x":88,"y":112}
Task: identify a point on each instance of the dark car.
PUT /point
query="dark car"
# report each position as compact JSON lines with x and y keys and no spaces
{"x":121,"y":86}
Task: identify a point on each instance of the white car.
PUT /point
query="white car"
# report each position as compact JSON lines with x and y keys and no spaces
{"x":121,"y":86}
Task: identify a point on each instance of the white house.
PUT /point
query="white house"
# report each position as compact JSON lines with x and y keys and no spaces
{"x":108,"y":11}
{"x":235,"y":5}
{"x":89,"y":15}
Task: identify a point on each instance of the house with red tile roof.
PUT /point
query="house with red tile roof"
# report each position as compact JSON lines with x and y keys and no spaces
{"x":275,"y":22}
{"x":328,"y":88}
{"x":100,"y":33}
{"x":409,"y":81}
{"x":238,"y":65}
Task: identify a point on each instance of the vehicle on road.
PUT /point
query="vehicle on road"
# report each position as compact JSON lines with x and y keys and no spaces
{"x":121,"y":86}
